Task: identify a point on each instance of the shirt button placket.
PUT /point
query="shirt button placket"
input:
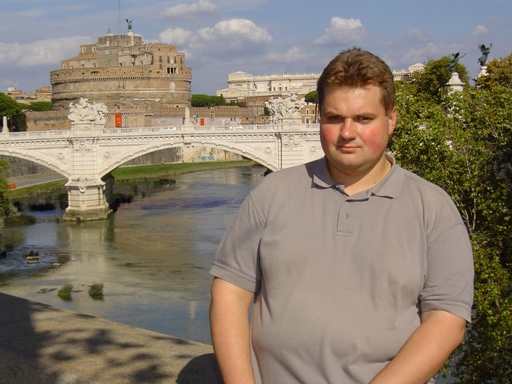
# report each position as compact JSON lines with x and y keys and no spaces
{"x":345,"y":218}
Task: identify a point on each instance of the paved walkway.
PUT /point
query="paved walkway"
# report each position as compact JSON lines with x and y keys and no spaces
{"x":41,"y":344}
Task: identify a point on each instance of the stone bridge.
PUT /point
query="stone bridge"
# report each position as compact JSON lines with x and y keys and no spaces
{"x":88,"y":153}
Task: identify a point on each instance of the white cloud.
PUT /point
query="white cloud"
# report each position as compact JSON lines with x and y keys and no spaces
{"x":480,"y":30}
{"x":227,"y":38}
{"x":294,"y":55}
{"x":50,"y":51}
{"x":191,"y":11}
{"x":177,"y":36}
{"x":342,"y":31}
{"x":237,"y":31}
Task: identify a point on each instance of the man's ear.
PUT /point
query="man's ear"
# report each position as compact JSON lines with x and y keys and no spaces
{"x":392,"y":121}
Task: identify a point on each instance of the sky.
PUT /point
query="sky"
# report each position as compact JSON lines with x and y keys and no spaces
{"x":260,"y":37}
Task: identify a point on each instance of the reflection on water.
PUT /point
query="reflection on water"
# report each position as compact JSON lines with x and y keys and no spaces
{"x":152,"y":255}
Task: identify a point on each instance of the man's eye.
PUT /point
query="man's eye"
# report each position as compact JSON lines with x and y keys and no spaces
{"x":335,"y":118}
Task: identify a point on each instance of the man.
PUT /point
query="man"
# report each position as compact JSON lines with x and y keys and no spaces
{"x":360,"y":271}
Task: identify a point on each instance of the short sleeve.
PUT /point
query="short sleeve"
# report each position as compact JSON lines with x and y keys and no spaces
{"x":450,"y":273}
{"x":237,"y":258}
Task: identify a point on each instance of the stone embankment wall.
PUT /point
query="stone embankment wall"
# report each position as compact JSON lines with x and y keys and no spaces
{"x":20,"y":167}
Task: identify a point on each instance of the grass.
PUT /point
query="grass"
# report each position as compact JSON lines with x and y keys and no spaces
{"x":65,"y":291}
{"x":163,"y":170}
{"x":35,"y":190}
{"x":96,"y":290}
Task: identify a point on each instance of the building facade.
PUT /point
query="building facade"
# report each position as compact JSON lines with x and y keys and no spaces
{"x":124,"y":73}
{"x":243,"y":86}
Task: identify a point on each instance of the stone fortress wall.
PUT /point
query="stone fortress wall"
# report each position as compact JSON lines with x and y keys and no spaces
{"x":123,"y":72}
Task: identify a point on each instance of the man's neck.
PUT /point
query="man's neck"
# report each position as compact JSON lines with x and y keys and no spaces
{"x":355,"y":183}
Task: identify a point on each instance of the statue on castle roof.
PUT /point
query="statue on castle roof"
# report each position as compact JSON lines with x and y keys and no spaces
{"x":129,"y":22}
{"x":485,"y":53}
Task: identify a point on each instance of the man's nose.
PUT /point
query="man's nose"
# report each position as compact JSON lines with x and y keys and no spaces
{"x":348,"y":129}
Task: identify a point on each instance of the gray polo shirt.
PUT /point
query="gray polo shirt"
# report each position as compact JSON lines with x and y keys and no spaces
{"x":340,"y":280}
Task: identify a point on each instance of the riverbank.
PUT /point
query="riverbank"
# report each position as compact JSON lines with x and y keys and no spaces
{"x":142,"y":172}
{"x":43,"y":344}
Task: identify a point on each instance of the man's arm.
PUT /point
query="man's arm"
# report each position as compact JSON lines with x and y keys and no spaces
{"x":426,"y":350}
{"x":229,"y":325}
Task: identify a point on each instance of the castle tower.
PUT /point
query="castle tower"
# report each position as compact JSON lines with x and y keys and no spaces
{"x":124,"y":73}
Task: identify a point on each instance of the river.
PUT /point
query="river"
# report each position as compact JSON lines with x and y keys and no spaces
{"x":152,"y":255}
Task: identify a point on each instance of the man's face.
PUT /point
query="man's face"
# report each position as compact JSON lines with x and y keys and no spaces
{"x":354,"y":131}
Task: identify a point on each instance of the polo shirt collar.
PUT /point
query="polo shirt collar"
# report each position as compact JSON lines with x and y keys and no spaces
{"x":390,"y":186}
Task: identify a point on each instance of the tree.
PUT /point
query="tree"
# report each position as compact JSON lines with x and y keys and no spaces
{"x":431,"y":82}
{"x":311,"y":97}
{"x":499,"y":72}
{"x":19,"y":122}
{"x":8,"y":107}
{"x":38,"y":106}
{"x":200,"y":100}
{"x":464,"y":145}
{"x":5,"y":206}
{"x":11,"y":109}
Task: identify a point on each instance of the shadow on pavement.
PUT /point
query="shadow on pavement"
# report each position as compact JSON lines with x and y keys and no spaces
{"x":46,"y":345}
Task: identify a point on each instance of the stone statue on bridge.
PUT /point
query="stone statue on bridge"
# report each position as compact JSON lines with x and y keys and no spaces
{"x":454,"y":57}
{"x":485,"y":53}
{"x":288,"y":108}
{"x":84,"y":113}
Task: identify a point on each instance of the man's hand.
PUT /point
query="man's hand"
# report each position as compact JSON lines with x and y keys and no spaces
{"x":426,"y":350}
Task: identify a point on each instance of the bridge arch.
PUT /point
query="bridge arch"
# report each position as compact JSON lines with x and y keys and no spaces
{"x":130,"y":154}
{"x":38,"y":158}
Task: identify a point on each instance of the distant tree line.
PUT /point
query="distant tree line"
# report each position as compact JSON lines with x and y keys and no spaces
{"x":201,"y":100}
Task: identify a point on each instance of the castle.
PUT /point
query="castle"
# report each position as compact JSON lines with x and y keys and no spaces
{"x":123,"y":72}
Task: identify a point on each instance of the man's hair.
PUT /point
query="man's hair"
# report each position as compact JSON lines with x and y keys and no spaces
{"x":355,"y":68}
